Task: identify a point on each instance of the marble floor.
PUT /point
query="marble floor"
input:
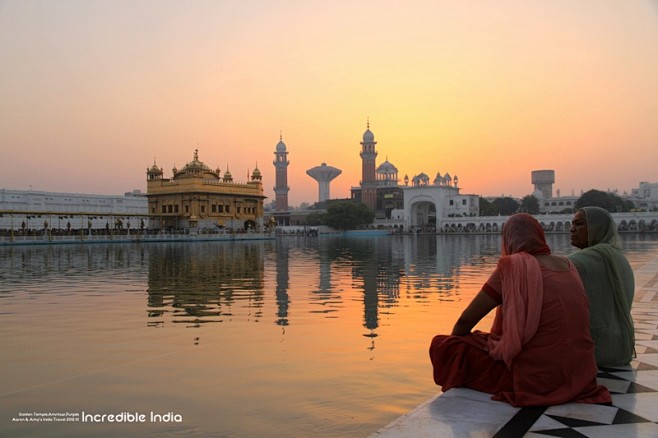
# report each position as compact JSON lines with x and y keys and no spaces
{"x":462,"y":412}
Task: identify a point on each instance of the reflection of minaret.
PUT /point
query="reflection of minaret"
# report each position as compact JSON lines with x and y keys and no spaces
{"x":366,"y":265}
{"x":380,"y":270}
{"x":281,"y":167}
{"x":323,"y":174}
{"x":282,"y":283}
{"x":368,"y":177}
{"x":370,"y":298}
{"x":370,"y":295}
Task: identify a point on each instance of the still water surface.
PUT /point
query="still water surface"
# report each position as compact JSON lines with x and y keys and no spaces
{"x":294,"y":337}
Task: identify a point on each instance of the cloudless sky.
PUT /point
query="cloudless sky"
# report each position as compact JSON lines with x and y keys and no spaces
{"x":93,"y":91}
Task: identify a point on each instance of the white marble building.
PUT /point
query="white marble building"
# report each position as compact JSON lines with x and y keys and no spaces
{"x":40,"y":209}
{"x":429,"y":204}
{"x":645,"y":197}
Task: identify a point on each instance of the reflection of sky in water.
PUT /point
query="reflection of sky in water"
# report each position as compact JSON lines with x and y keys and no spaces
{"x":313,"y":337}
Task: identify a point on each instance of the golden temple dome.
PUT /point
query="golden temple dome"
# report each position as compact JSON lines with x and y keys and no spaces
{"x":196,"y":168}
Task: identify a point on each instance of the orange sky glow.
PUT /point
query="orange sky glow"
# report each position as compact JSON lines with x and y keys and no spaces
{"x":91,"y":91}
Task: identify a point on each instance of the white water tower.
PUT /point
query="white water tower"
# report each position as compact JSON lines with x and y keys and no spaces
{"x":323,"y":174}
{"x":543,"y":181}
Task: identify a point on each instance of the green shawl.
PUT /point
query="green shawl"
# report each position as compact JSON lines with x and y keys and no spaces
{"x":610,"y":286}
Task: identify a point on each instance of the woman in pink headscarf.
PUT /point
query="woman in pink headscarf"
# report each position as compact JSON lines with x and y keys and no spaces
{"x":539,"y":351}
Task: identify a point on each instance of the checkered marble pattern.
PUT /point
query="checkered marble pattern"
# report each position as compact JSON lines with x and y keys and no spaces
{"x":462,"y":412}
{"x":634,"y":389}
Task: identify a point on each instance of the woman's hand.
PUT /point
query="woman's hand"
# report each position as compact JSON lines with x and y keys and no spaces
{"x":474,"y":312}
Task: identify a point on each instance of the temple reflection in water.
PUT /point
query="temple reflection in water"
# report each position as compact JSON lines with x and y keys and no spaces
{"x":280,"y":281}
{"x":275,"y":281}
{"x":201,"y":283}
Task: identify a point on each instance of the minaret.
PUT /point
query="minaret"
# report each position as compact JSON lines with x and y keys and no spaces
{"x":368,"y":176}
{"x":281,"y":167}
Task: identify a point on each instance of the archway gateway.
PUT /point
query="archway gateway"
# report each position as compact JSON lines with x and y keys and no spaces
{"x":423,"y":214}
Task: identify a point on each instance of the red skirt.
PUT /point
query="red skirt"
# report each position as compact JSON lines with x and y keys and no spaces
{"x":461,"y":361}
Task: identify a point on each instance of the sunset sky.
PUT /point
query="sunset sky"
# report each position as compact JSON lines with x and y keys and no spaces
{"x":93,"y":91}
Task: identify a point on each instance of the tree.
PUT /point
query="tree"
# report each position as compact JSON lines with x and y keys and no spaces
{"x":506,"y":206}
{"x":487,"y":208}
{"x":347,"y":215}
{"x":316,"y":218}
{"x":530,"y":204}
{"x":609,"y":201}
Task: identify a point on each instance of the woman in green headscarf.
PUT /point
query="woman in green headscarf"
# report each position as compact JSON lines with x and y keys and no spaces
{"x":609,"y":282}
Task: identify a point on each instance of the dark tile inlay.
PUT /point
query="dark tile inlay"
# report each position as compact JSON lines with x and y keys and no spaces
{"x":646,"y":367}
{"x":564,"y":433}
{"x":635,"y":388}
{"x":625,"y":417}
{"x":521,"y":422}
{"x":575,"y":422}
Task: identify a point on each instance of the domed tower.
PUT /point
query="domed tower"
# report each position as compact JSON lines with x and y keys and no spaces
{"x":387,"y":174}
{"x":228,"y":178}
{"x":368,"y":174}
{"x":154,"y":172}
{"x":281,"y":188}
{"x":194,"y":169}
{"x":256,"y":175}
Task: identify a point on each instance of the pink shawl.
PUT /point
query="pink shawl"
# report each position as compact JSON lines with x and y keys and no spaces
{"x":518,"y":318}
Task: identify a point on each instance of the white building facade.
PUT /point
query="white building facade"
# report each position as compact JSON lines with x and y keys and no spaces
{"x":427,"y":206}
{"x":36,"y":210}
{"x":645,"y":197}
